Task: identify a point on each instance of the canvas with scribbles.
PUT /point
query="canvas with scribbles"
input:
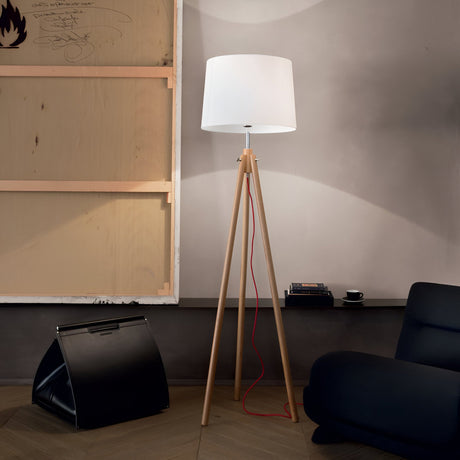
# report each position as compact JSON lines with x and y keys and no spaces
{"x":89,"y":148}
{"x":98,"y":32}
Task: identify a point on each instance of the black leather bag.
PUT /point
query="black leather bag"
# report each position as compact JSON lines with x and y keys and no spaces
{"x":102,"y":372}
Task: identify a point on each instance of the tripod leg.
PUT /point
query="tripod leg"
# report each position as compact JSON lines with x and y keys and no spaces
{"x":274,"y":291}
{"x":222,"y":297}
{"x":242,"y":298}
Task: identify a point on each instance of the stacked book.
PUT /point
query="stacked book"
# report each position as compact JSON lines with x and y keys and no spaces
{"x":308,"y":294}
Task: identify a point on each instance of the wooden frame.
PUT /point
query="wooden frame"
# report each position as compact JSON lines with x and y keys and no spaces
{"x":169,"y":292}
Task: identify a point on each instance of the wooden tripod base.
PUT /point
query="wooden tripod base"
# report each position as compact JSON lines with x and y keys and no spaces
{"x":248,"y":166}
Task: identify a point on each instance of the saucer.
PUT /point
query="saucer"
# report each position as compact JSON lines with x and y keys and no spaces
{"x":346,"y":300}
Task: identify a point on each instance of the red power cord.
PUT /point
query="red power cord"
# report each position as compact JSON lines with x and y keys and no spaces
{"x":288,"y":414}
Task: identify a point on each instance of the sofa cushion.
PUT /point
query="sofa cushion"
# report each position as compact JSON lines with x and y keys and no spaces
{"x":400,"y":399}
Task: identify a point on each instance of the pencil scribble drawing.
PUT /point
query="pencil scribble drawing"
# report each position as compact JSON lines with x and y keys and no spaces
{"x":77,"y":27}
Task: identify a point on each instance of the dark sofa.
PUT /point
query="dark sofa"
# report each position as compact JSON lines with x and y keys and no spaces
{"x":408,"y":405}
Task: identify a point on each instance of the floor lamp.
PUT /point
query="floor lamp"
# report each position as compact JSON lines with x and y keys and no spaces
{"x":248,"y":93}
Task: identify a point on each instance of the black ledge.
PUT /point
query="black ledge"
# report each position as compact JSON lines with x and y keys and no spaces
{"x":190,"y":302}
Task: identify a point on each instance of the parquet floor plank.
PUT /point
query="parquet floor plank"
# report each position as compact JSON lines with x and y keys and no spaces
{"x":233,"y":434}
{"x":29,"y":432}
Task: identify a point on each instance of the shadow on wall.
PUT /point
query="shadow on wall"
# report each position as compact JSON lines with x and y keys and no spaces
{"x":377,"y":98}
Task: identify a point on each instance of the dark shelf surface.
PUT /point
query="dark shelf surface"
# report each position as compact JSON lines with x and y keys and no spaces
{"x":211,"y":302}
{"x":372,"y":303}
{"x":190,"y":302}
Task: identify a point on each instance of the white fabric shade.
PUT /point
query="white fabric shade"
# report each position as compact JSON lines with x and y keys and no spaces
{"x":248,"y":93}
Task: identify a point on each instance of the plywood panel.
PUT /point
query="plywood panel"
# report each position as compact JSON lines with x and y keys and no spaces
{"x":84,"y":244}
{"x":98,"y":32}
{"x":96,"y":113}
{"x":86,"y":129}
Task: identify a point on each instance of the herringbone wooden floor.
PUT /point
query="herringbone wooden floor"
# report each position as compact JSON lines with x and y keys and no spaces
{"x":29,"y":432}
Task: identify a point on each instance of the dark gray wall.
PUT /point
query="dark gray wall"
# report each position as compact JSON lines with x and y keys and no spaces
{"x":184,"y":337}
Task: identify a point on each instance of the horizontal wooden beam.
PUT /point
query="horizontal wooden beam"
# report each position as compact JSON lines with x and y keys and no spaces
{"x":85,"y":186}
{"x":86,"y":71}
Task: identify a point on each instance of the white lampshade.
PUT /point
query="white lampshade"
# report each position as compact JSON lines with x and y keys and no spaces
{"x":248,"y":93}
